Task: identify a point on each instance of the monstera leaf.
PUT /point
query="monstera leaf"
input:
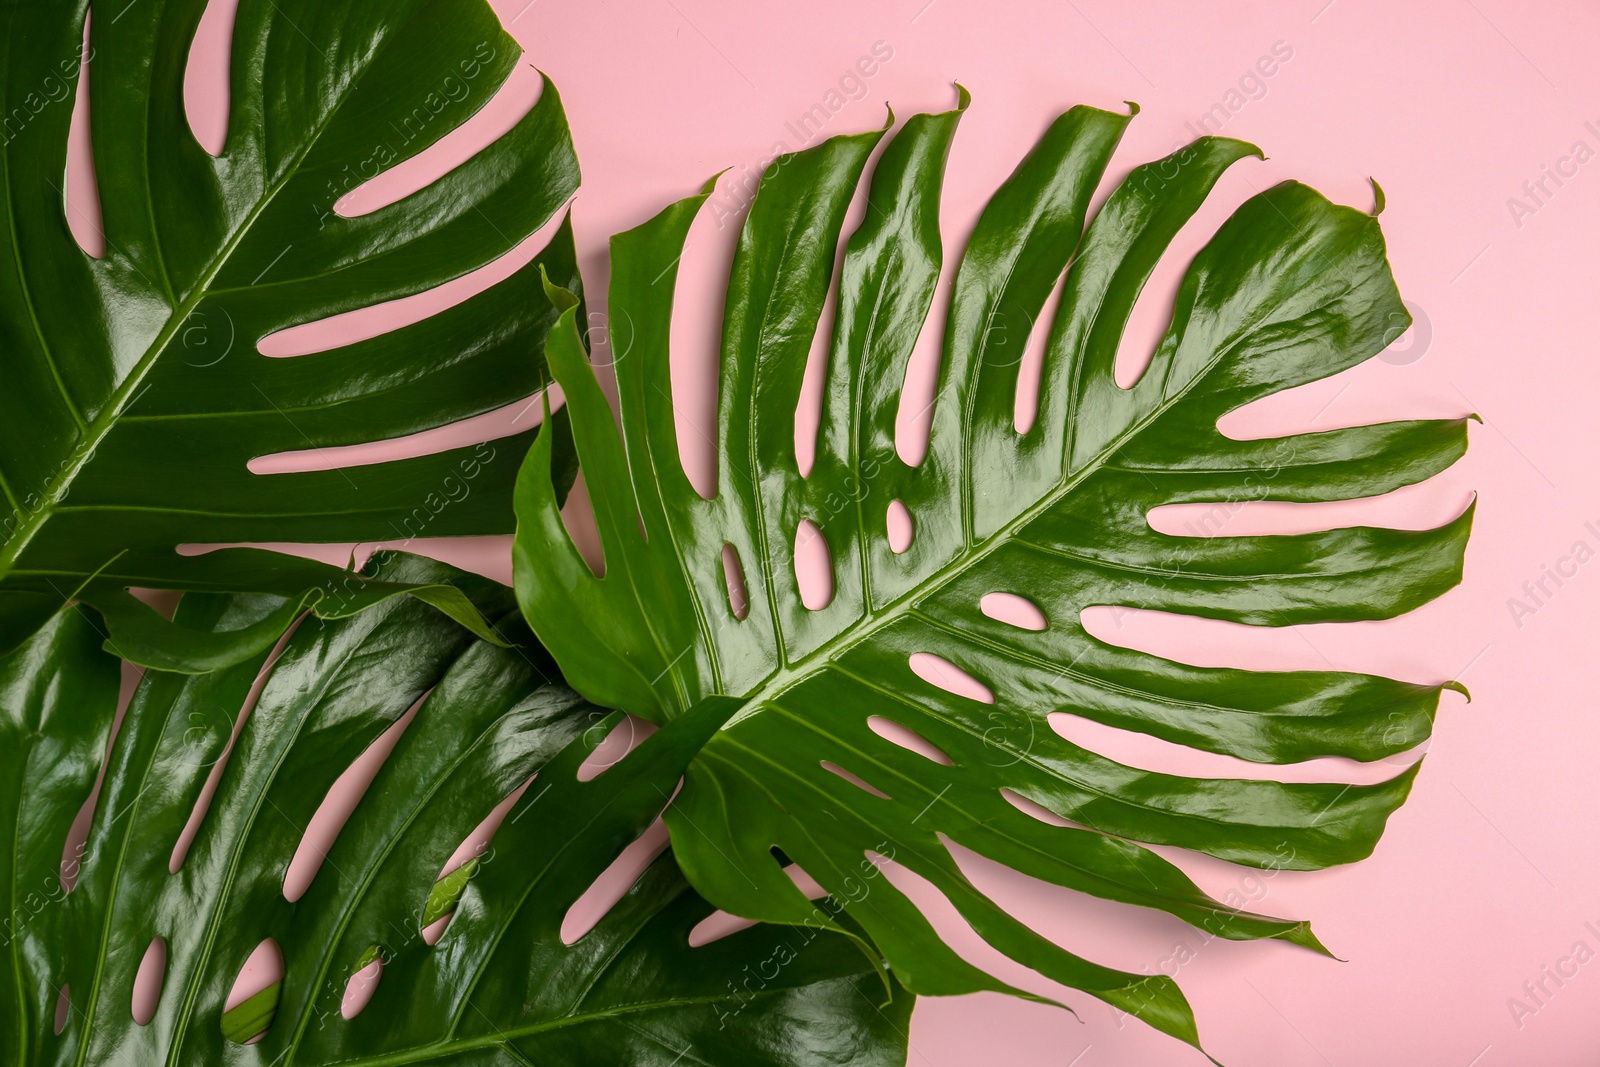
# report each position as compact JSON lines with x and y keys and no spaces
{"x":1290,"y":289}
{"x":134,"y":391}
{"x":499,"y":987}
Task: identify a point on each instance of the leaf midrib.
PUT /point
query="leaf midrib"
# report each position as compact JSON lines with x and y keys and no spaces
{"x":502,"y":1037}
{"x":786,"y":677}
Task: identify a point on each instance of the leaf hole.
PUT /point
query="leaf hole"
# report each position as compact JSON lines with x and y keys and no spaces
{"x":80,"y":182}
{"x":253,"y":1001}
{"x":375,"y":320}
{"x":148,"y":980}
{"x":620,"y":739}
{"x":452,"y":488}
{"x":207,"y":87}
{"x":813,"y":566}
{"x":908,"y":739}
{"x":716,"y":926}
{"x":854,"y":780}
{"x":620,"y":875}
{"x":808,"y":405}
{"x":813,"y":383}
{"x":720,"y":924}
{"x":1150,"y":318}
{"x":902,"y":527}
{"x":1413,"y":507}
{"x":345,"y":556}
{"x":1220,"y":643}
{"x":202,"y":803}
{"x":1363,"y":395}
{"x":577,"y":515}
{"x":738,"y":588}
{"x":363,"y":983}
{"x":1013,"y":610}
{"x":78,"y":840}
{"x":940,"y":672}
{"x":63,"y":1007}
{"x":1143,"y":752}
{"x":694,"y":335}
{"x":1030,"y":369}
{"x":913,"y":422}
{"x":338,"y":805}
{"x":1035,"y":809}
{"x":359,"y":191}
{"x":446,"y":890}
{"x":74,"y":847}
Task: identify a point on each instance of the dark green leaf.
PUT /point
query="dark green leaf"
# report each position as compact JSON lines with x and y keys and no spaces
{"x":119,"y":438}
{"x":499,"y":987}
{"x":1291,"y":289}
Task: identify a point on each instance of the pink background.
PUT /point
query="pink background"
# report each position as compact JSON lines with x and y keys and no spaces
{"x":1489,"y":874}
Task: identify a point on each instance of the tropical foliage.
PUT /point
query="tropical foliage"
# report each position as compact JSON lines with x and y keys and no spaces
{"x":135,"y":399}
{"x":904,"y":711}
{"x":135,"y":395}
{"x":500,"y":986}
{"x":1290,"y":289}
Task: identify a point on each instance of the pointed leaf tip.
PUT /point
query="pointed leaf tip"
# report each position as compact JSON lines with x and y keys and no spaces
{"x":138,"y":633}
{"x":563,"y":299}
{"x":1301,"y":934}
{"x":1378,"y":200}
{"x":1252,"y":148}
{"x":1456,"y":687}
{"x":711,"y":182}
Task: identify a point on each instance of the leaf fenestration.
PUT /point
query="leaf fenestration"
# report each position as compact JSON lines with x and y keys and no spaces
{"x":1290,"y":289}
{"x":119,"y":440}
{"x":499,"y":987}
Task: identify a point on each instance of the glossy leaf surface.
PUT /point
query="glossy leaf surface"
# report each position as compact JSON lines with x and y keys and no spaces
{"x":135,"y":395}
{"x":1290,"y":289}
{"x":499,"y":987}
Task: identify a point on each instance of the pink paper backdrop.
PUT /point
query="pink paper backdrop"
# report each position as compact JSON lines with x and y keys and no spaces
{"x":1479,"y":119}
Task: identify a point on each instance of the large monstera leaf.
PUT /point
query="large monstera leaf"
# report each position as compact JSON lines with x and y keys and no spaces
{"x":499,"y":987}
{"x":121,"y":435}
{"x":1290,"y":289}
